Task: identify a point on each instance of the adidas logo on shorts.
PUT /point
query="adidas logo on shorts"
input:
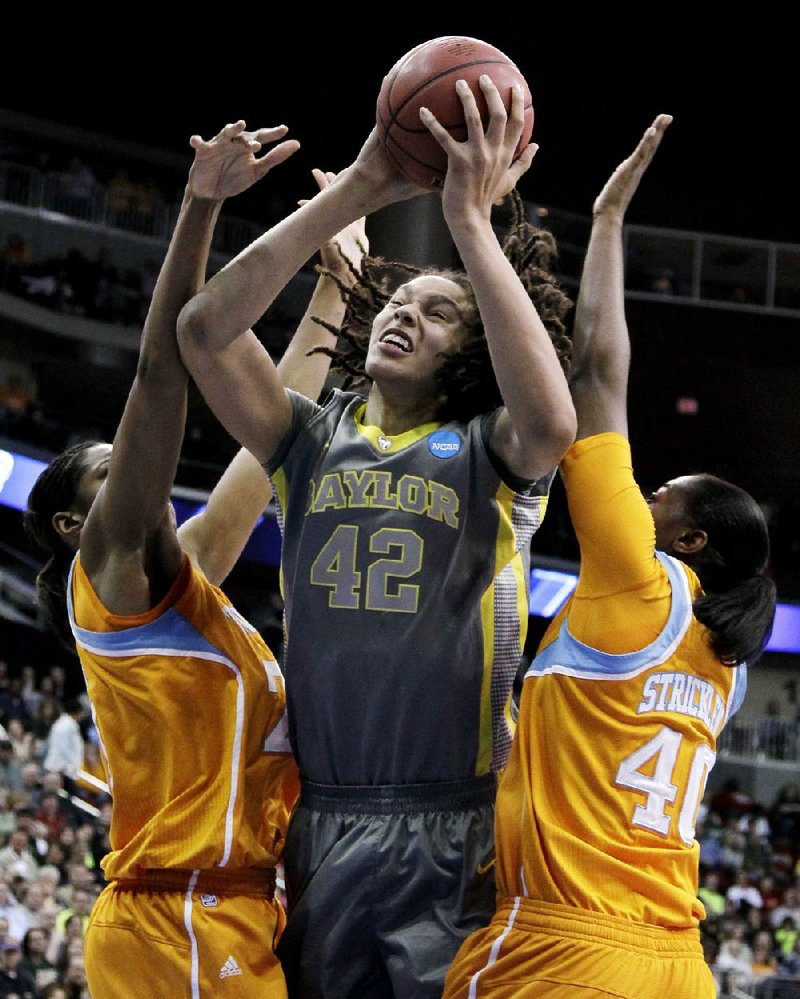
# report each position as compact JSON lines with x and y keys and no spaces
{"x":230,"y":967}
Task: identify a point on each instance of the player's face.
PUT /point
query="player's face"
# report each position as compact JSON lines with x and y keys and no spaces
{"x":668,"y":506}
{"x":96,"y":460}
{"x":425,"y":318}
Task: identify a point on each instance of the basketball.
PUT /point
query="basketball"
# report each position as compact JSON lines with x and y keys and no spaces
{"x":426,"y":77}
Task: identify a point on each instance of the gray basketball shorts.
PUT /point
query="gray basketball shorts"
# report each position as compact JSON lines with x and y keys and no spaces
{"x":383,"y":885}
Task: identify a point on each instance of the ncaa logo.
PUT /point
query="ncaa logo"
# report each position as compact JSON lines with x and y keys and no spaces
{"x":444,"y":444}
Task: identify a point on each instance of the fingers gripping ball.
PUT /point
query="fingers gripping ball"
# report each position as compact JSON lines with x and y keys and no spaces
{"x":426,"y":77}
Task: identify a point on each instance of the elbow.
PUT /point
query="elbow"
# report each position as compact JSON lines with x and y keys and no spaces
{"x":546,"y":443}
{"x":563,"y":431}
{"x":193,"y":330}
{"x":556,"y":437}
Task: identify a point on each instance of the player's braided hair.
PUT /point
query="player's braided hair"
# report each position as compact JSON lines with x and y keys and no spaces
{"x":466,"y":378}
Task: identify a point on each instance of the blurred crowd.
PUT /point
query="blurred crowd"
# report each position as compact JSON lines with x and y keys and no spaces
{"x":750,"y":887}
{"x":54,"y":823}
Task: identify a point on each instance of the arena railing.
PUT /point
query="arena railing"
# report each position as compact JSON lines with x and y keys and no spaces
{"x":684,"y":267}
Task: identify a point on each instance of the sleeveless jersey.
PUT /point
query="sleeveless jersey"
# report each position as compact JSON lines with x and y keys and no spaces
{"x":405,"y":576}
{"x":597,"y":807}
{"x":189,"y":705}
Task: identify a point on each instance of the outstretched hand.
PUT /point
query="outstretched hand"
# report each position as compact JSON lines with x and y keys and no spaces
{"x":621,"y":186}
{"x":228,"y":164}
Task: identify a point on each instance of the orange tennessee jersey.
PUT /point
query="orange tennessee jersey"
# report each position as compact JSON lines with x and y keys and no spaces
{"x":619,"y":716}
{"x":189,"y":706}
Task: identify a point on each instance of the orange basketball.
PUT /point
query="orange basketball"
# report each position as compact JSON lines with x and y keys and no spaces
{"x":426,"y":77}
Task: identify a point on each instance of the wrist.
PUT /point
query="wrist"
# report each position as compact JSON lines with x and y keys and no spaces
{"x":609,"y":216}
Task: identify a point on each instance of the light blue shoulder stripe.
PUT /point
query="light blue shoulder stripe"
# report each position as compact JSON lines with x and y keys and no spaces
{"x":170,"y":635}
{"x":570,"y":657}
{"x":738,"y":690}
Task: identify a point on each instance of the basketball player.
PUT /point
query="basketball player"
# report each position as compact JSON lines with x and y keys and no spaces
{"x":407,"y":510}
{"x":621,"y":708}
{"x":188,"y":700}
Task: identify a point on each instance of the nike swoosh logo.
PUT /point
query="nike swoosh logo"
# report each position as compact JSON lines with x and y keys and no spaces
{"x":483,"y":868}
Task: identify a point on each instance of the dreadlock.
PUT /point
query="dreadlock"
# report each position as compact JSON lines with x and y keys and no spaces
{"x":466,"y":378}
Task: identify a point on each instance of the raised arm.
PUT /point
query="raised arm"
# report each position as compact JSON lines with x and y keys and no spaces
{"x":133,"y":503}
{"x":538,"y":422}
{"x":216,"y":536}
{"x":341,"y":259}
{"x":231,"y":367}
{"x":600,"y":343}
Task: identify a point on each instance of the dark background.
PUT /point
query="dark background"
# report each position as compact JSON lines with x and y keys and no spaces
{"x":728,"y":164}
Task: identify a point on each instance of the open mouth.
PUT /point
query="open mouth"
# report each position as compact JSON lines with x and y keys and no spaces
{"x":397,"y":339}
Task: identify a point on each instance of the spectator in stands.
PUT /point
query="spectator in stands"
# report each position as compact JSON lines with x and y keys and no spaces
{"x":64,"y":752}
{"x":788,"y":907}
{"x":31,"y":899}
{"x":789,"y":959}
{"x":16,"y":402}
{"x":710,"y":831}
{"x":32,"y":782}
{"x":146,"y":198}
{"x":83,"y":850}
{"x":52,"y":781}
{"x":36,"y":832}
{"x":83,"y":897}
{"x":30,"y":690}
{"x":68,"y":930}
{"x":78,"y":187}
{"x":784,"y":815}
{"x":8,"y":819}
{"x":81,"y":277}
{"x":49,"y":711}
{"x":17,"y":858}
{"x":734,"y":962}
{"x":12,"y":703}
{"x":15,"y":258}
{"x":742,"y":893}
{"x":10,"y":767}
{"x":21,"y":739}
{"x":710,"y":895}
{"x":120,"y":193}
{"x":764,"y":959}
{"x":49,"y":878}
{"x":730,"y":801}
{"x":73,"y":976}
{"x":771,"y":893}
{"x":107,"y":298}
{"x":732,"y":842}
{"x":9,"y":911}
{"x":14,"y":981}
{"x":47,"y":917}
{"x":57,"y":991}
{"x":56,"y":682}
{"x":51,"y":813}
{"x":34,"y":958}
{"x":786,"y":934}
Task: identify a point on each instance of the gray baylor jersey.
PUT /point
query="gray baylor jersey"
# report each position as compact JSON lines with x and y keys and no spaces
{"x":405,"y":577}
